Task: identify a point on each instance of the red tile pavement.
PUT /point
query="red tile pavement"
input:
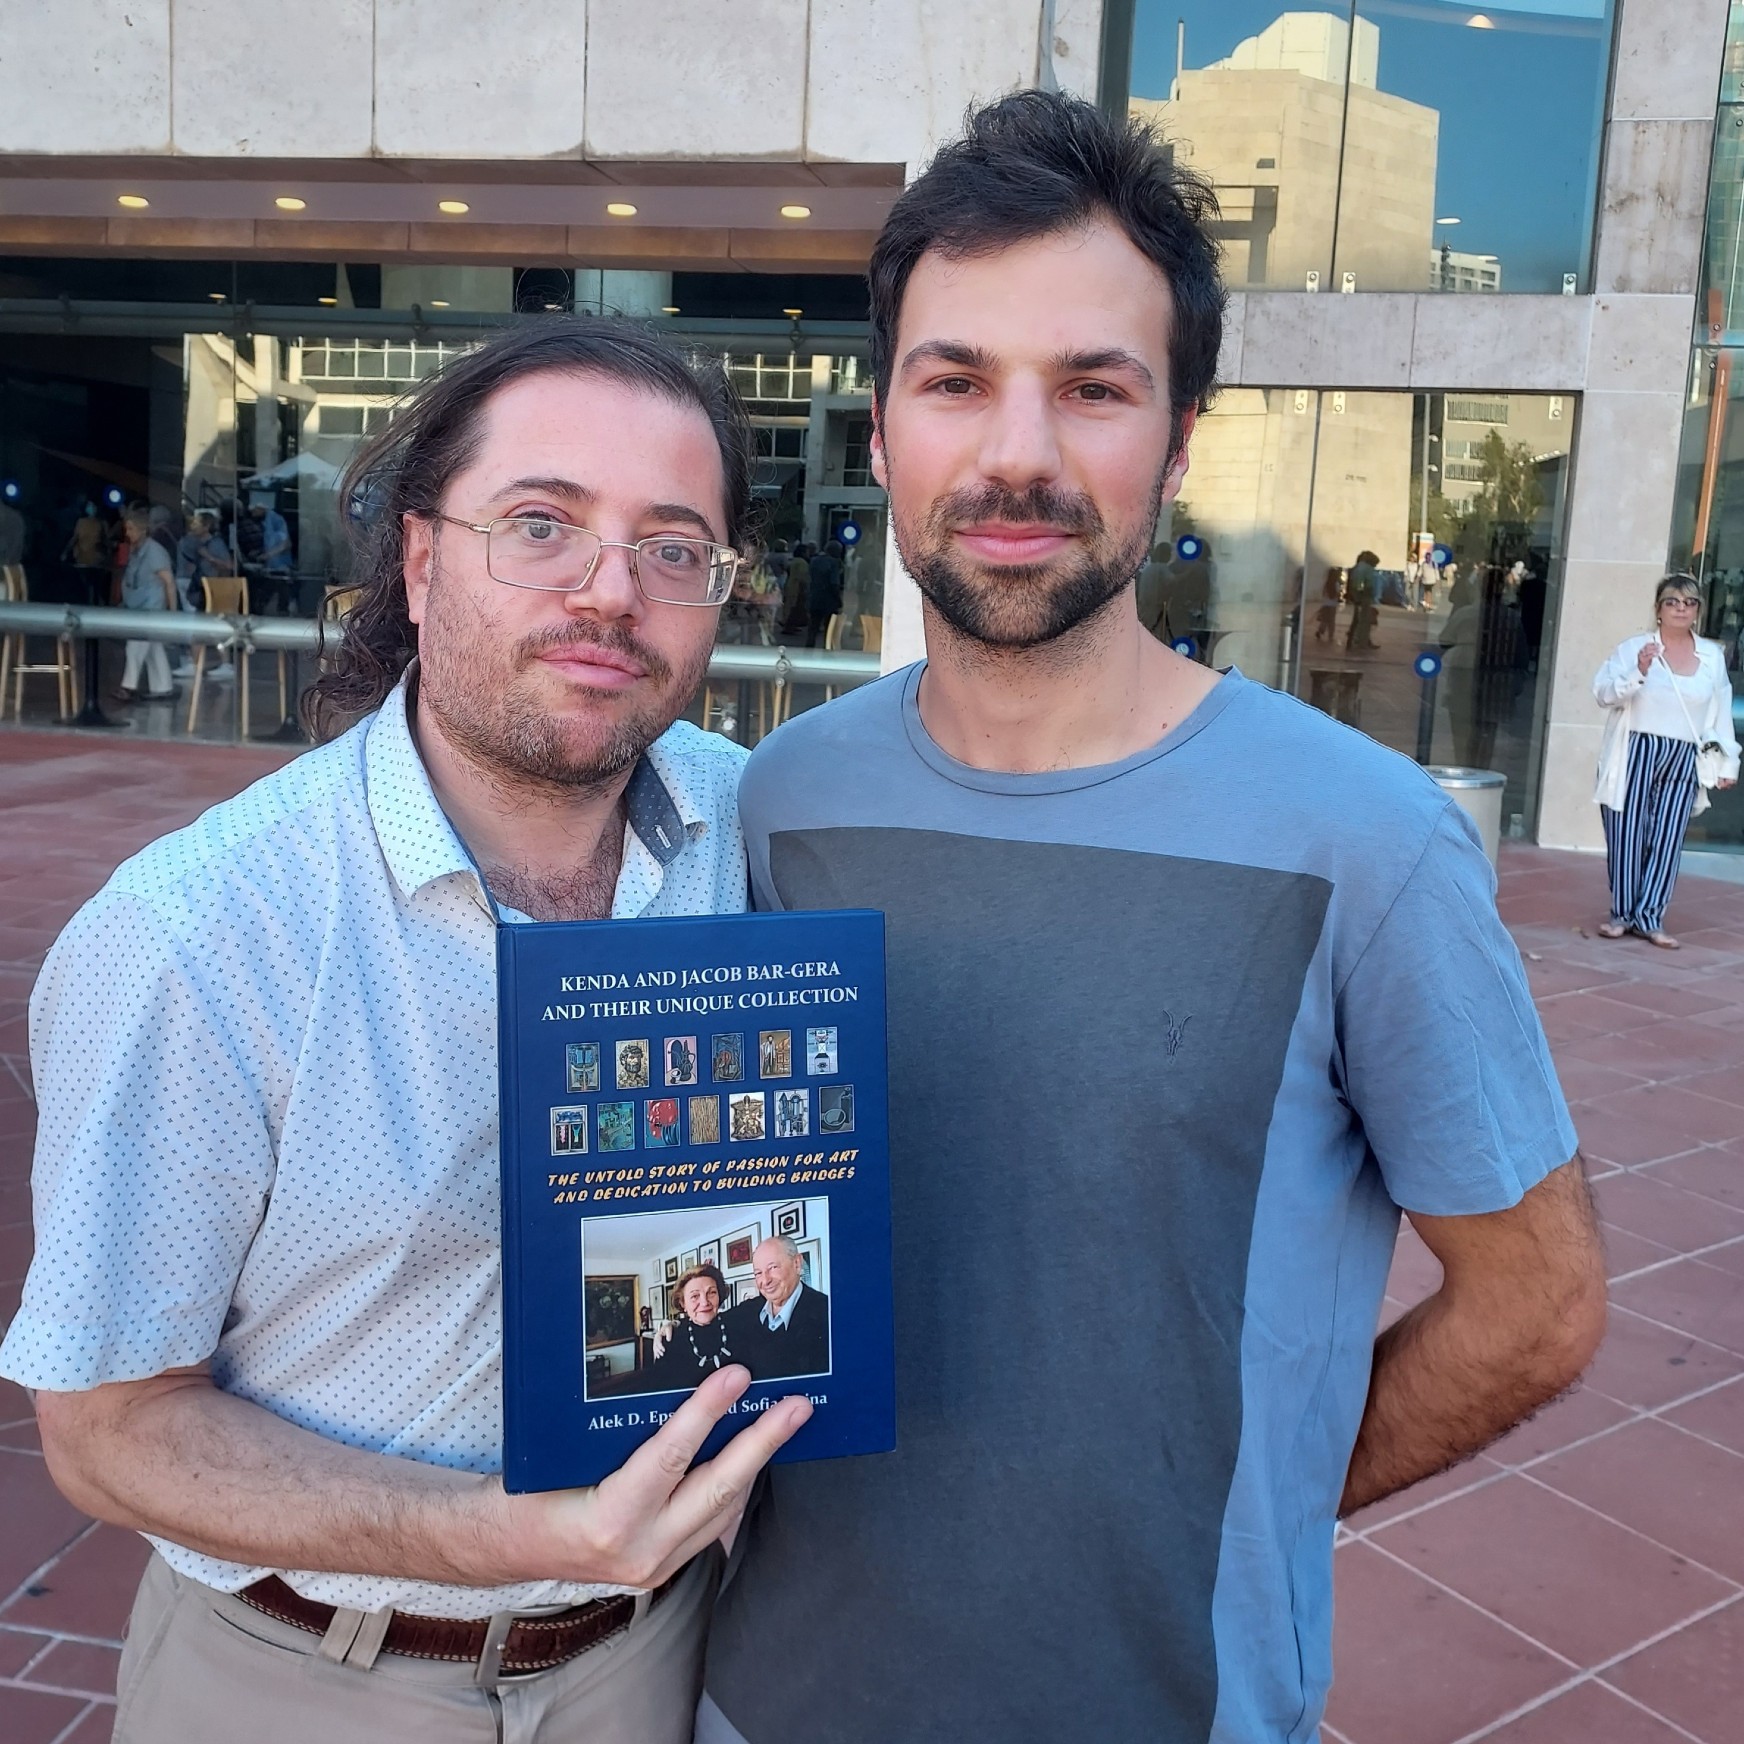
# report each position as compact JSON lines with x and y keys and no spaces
{"x":1577,"y":1584}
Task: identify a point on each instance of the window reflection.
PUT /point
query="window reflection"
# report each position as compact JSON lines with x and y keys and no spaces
{"x":1322,"y":543}
{"x":1395,"y":145}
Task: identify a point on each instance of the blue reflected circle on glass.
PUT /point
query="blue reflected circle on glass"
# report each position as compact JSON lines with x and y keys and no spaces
{"x":1427,"y":664}
{"x":113,"y":496}
{"x":849,"y":532}
{"x":1185,"y":645}
{"x":1187,"y":547}
{"x":1441,"y":556}
{"x":11,"y":491}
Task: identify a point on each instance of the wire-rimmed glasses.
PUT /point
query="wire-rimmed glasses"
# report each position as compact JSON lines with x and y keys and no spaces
{"x":549,"y":556}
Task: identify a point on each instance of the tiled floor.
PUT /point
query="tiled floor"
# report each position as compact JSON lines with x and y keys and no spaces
{"x":1578,"y":1584}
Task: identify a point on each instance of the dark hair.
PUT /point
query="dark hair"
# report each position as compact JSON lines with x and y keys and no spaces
{"x":434,"y":434}
{"x":676,"y":1296}
{"x":1038,"y":162}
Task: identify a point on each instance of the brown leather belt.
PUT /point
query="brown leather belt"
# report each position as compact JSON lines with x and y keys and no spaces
{"x":532,"y":1643}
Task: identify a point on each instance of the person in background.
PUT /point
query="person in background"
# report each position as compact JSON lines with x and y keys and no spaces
{"x":1365,"y":599}
{"x":148,"y":584}
{"x":1326,"y":613}
{"x":88,"y":548}
{"x":1668,"y":738}
{"x":275,"y":551}
{"x":793,"y":591}
{"x":823,"y":594}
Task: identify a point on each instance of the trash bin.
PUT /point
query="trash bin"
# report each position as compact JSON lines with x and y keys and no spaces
{"x":1479,"y":791}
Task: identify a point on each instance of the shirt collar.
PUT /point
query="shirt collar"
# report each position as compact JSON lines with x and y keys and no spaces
{"x":420,"y":845}
{"x":772,"y":1318}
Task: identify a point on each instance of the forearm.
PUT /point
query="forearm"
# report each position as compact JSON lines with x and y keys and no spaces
{"x":225,"y":1477}
{"x":1448,"y":1379}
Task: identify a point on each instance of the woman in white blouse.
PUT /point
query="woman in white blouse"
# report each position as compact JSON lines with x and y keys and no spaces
{"x":1670,"y":720}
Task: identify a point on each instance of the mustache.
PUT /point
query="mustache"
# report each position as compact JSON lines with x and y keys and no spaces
{"x":1069,"y":511}
{"x":582,"y":634}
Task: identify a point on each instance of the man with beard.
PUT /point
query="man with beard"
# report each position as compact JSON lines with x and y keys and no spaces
{"x":1191,"y":989}
{"x":263,"y":1316}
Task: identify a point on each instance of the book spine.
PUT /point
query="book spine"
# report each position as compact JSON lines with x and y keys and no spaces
{"x":508,"y":1117}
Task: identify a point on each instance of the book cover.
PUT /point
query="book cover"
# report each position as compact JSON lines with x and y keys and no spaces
{"x":695,"y":1172}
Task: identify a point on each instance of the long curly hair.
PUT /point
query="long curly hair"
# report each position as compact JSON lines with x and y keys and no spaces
{"x":434,"y":434}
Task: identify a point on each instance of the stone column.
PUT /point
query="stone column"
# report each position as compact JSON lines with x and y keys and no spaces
{"x":1652,"y":203}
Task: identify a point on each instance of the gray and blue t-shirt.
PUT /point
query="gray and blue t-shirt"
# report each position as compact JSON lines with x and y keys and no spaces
{"x":1172,"y":1041}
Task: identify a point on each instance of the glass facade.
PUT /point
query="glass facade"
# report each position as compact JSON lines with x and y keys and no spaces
{"x":124,"y":381}
{"x":1325,"y":541}
{"x":1707,"y":536}
{"x":1399,"y":145}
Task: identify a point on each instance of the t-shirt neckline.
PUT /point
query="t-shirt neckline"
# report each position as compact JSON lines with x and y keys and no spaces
{"x":1209,"y":707}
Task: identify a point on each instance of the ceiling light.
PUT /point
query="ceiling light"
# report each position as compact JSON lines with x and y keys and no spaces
{"x":793,"y":314}
{"x":328,"y":302}
{"x":1478,"y":21}
{"x":438,"y":302}
{"x":133,"y":202}
{"x":215,"y":296}
{"x":1446,"y":220}
{"x":290,"y":203}
{"x":620,"y":209}
{"x":553,"y":308}
{"x":456,"y":207}
{"x":669,"y":309}
{"x":796,"y":211}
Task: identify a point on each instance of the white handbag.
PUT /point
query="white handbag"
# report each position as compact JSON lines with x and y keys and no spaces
{"x":1710,"y":754}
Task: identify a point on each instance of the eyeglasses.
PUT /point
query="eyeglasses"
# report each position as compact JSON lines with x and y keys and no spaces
{"x":533,"y":551}
{"x":1682,"y":599}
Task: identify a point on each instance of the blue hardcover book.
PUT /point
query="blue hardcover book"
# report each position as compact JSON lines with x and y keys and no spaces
{"x":695,"y":1172}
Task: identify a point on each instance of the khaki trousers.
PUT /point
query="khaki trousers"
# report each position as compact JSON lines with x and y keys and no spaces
{"x":201,"y":1667}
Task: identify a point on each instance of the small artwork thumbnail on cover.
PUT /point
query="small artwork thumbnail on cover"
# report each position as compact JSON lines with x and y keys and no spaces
{"x":615,"y":1123}
{"x":746,"y":1113}
{"x":792,"y":1113}
{"x":632,"y":1065}
{"x":668,"y":1297}
{"x":821,"y":1057}
{"x":569,"y":1132}
{"x":680,"y":1052}
{"x":662,"y":1122}
{"x":581,"y":1061}
{"x":727,"y":1058}
{"x":705,"y":1120}
{"x":775,"y":1053}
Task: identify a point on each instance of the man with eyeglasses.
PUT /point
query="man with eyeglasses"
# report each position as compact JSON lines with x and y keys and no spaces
{"x":263,"y":1320}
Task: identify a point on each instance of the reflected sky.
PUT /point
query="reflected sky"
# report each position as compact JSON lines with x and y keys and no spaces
{"x":1519,"y":104}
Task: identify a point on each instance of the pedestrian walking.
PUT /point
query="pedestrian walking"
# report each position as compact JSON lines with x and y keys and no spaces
{"x":1668,"y":740}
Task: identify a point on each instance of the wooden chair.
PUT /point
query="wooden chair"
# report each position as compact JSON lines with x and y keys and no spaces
{"x":16,"y":665}
{"x":226,"y":596}
{"x":871,"y":633}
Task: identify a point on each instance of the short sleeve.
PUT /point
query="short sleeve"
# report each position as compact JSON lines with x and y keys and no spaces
{"x":1444,"y":1060}
{"x":153,"y":1159}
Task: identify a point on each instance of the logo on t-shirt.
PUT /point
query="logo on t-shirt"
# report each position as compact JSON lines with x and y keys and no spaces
{"x":1173,"y":1034}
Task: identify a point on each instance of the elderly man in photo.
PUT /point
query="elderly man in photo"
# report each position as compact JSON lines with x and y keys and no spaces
{"x":1275,"y":1006}
{"x":263,"y":1320}
{"x":785,"y":1329}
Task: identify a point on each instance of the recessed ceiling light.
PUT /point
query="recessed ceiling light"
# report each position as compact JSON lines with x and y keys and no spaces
{"x":1478,"y":21}
{"x":553,"y":308}
{"x":620,"y":209}
{"x":669,"y":309}
{"x":796,"y":211}
{"x":1446,"y":220}
{"x":290,"y":203}
{"x":133,"y":202}
{"x":328,"y":302}
{"x":215,"y":296}
{"x":793,"y":314}
{"x":455,"y":207}
{"x":438,"y":302}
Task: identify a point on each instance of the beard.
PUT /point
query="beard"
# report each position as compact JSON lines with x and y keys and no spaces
{"x":491,"y":710}
{"x":1024,"y":605}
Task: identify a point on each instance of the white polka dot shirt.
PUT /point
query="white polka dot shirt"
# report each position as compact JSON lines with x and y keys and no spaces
{"x":266,"y":1068}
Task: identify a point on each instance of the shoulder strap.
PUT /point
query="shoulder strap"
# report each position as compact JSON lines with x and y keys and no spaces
{"x":1688,"y":722}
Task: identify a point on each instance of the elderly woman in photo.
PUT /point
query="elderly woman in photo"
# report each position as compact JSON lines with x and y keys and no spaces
{"x":1668,"y":739}
{"x":697,"y":1343}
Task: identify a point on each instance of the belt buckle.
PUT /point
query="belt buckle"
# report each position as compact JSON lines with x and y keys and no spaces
{"x":487,"y":1669}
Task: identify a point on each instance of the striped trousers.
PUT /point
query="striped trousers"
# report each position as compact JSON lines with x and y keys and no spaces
{"x":1644,"y":839}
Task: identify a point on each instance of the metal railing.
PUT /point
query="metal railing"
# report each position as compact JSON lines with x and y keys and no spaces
{"x":729,"y":663}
